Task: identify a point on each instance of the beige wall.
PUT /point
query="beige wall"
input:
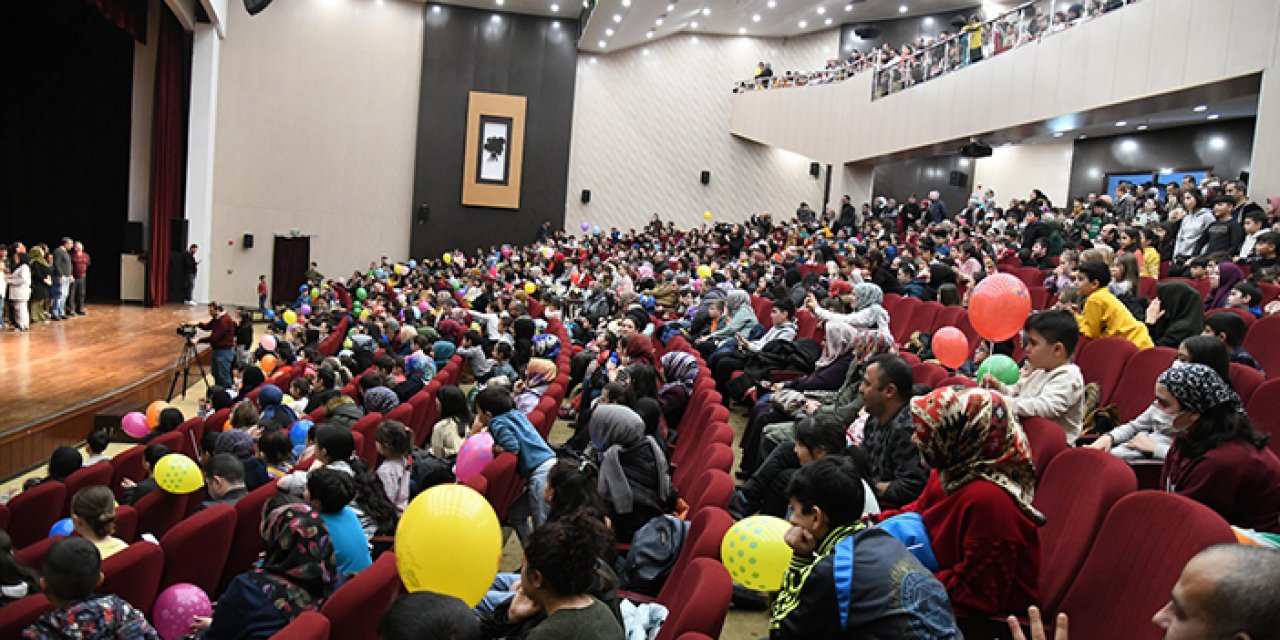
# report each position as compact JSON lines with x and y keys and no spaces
{"x":645,"y":125}
{"x":317,"y":119}
{"x":1015,"y":170}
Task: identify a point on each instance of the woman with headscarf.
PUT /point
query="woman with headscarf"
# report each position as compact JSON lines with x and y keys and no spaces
{"x":380,"y":400}
{"x":1222,"y":278}
{"x":273,"y":410}
{"x":1176,"y":313}
{"x":977,"y":505}
{"x":417,"y":372}
{"x":442,"y":351}
{"x":633,"y":470}
{"x":523,"y":329}
{"x":1217,"y":458}
{"x":680,"y":369}
{"x":251,"y":378}
{"x":296,"y":574}
{"x":639,"y":350}
{"x":742,"y":318}
{"x":41,"y":280}
{"x":867,"y":310}
{"x":538,"y":376}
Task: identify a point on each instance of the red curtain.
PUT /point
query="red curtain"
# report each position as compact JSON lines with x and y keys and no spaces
{"x":168,"y":150}
{"x":129,"y":15}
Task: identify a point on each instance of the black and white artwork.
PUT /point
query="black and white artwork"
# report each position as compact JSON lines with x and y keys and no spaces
{"x":493,"y":163}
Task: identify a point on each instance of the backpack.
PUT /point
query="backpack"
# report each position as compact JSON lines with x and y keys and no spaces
{"x":428,"y":471}
{"x":654,"y":550}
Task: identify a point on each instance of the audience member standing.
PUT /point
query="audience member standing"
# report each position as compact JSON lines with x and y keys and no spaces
{"x":41,"y":279}
{"x":19,"y":280}
{"x":79,"y":286}
{"x":222,"y":339}
{"x":189,"y":266}
{"x":62,"y":269}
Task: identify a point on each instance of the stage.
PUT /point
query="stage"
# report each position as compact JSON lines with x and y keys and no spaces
{"x":59,"y":375}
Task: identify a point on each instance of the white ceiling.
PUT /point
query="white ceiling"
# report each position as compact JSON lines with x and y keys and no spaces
{"x":637,"y":20}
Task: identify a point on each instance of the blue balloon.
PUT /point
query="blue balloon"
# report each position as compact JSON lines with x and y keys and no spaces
{"x":302,"y":288}
{"x":270,"y":314}
{"x":62,"y":527}
{"x":413,"y":264}
{"x":298,"y":433}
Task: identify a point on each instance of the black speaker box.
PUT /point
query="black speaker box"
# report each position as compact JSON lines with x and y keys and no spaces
{"x":248,"y":241}
{"x":959,"y":179}
{"x":132,"y":238}
{"x":814,"y":169}
{"x":178,"y":234}
{"x":254,"y":7}
{"x":424,"y":212}
{"x":586,"y":196}
{"x":706,"y":177}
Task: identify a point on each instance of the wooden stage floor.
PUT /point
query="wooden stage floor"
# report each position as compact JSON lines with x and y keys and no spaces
{"x":57,"y":376}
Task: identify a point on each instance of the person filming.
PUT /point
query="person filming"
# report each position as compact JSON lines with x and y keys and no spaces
{"x":222,"y":339}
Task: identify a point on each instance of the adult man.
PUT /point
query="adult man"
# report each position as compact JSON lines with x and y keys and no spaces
{"x":189,"y":266}
{"x":1223,"y":235}
{"x":225,"y":482}
{"x":222,"y":339}
{"x":1237,"y":190}
{"x":1126,"y":205}
{"x":544,"y":232}
{"x":910,"y":211}
{"x":804,"y":214}
{"x":79,"y":285}
{"x":937,"y":208}
{"x":62,"y":270}
{"x":1033,"y":230}
{"x":895,"y":460}
{"x":848,"y":215}
{"x":1225,"y":591}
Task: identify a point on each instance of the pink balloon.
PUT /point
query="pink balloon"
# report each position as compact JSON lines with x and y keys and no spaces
{"x":475,"y":453}
{"x":135,"y":424}
{"x":268,"y":343}
{"x":174,"y":608}
{"x":950,"y":346}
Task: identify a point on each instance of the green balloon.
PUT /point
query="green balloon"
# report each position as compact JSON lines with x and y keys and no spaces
{"x":361,"y":293}
{"x":1001,"y":366}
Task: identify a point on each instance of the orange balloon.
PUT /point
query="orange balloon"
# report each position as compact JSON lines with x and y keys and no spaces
{"x":999,"y":306}
{"x":268,"y":363}
{"x":950,"y":347}
{"x":153,"y":412}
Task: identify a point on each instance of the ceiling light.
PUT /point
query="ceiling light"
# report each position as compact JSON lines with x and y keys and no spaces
{"x":772,"y":3}
{"x":495,"y":18}
{"x":671,"y":7}
{"x":645,"y":51}
{"x":602,"y":44}
{"x":695,"y":39}
{"x":693,"y":25}
{"x":1166,"y":171}
{"x":555,"y":8}
{"x":755,"y":18}
{"x":1142,"y":127}
{"x":1057,"y":134}
{"x":903,"y":9}
{"x":1083,"y":136}
{"x":1094,"y":172}
{"x":608,"y":32}
{"x":1129,"y":145}
{"x":648,"y":34}
{"x":848,"y":7}
{"x":827,"y":21}
{"x":617,"y":17}
{"x":1200,"y":108}
{"x":964,"y":162}
{"x":626,"y":3}
{"x":499,"y":2}
{"x":658,"y":22}
{"x":742,"y":31}
{"x":1213,"y":116}
{"x":928,"y":21}
{"x":555,"y":24}
{"x":435,"y":9}
{"x":706,"y":11}
{"x":1217,"y":142}
{"x":822,"y":10}
{"x":803,"y":24}
{"x":1121,"y":123}
{"x":592,"y":60}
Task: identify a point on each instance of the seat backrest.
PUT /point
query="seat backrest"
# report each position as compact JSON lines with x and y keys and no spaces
{"x":248,"y":541}
{"x":1261,"y":343}
{"x":711,"y":489}
{"x":195,"y":550}
{"x":1135,"y":390}
{"x":1047,"y":440}
{"x":308,"y":626}
{"x":1263,"y":410}
{"x":217,"y":421}
{"x":173,"y":440}
{"x":699,"y":602}
{"x":957,"y":381}
{"x":1102,"y":361}
{"x":504,"y":481}
{"x":403,"y":413}
{"x":192,"y":431}
{"x":707,"y":529}
{"x":134,"y":574}
{"x":95,"y":474}
{"x":366,"y":427}
{"x":126,"y":523}
{"x":922,"y":319}
{"x":713,"y":456}
{"x":928,"y":373}
{"x":901,"y":322}
{"x":20,"y":614}
{"x":1075,"y":493}
{"x":32,"y":555}
{"x":356,"y":607}
{"x":1245,"y":380}
{"x":1137,"y":556}
{"x":159,"y":510}
{"x":806,"y":322}
{"x":33,"y":512}
{"x":1244,"y":315}
{"x":127,"y":464}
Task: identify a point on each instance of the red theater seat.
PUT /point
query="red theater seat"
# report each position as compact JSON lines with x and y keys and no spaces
{"x":195,"y":550}
{"x":356,"y":607}
{"x":134,"y":574}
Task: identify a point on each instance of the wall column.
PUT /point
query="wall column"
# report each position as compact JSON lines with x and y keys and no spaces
{"x":1264,"y":169}
{"x":201,"y":127}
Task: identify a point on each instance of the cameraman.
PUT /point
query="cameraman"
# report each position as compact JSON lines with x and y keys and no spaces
{"x":222,"y":339}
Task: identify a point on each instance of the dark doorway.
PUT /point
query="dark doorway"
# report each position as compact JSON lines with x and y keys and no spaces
{"x":289,"y":268}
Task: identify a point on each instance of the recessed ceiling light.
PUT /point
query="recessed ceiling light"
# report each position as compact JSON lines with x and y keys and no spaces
{"x":928,"y":20}
{"x":617,"y":17}
{"x":658,"y":22}
{"x":1121,"y":123}
{"x":827,"y":21}
{"x":495,"y":18}
{"x":602,"y":44}
{"x":645,"y":51}
{"x":499,"y":2}
{"x":706,"y":11}
{"x":1213,"y":116}
{"x":648,"y":34}
{"x":903,"y":9}
{"x":555,"y":24}
{"x":1200,"y":108}
{"x":848,"y":7}
{"x":772,"y":3}
{"x":742,"y":31}
{"x":1166,"y":171}
{"x":693,"y":25}
{"x":1129,"y":145}
{"x":671,"y":7}
{"x":626,"y":3}
{"x":608,"y":32}
{"x":555,"y":7}
{"x":755,"y":18}
{"x":1142,"y":127}
{"x":435,"y":9}
{"x":822,"y":10}
{"x":804,"y":23}
{"x":1217,"y":142}
{"x":1057,"y":134}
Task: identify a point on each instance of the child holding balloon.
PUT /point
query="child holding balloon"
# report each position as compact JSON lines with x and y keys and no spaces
{"x":1051,"y":386}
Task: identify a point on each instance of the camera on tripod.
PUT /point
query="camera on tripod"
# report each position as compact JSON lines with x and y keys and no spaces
{"x":186,"y":331}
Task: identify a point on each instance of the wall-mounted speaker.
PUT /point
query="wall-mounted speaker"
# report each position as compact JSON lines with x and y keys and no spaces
{"x":254,"y":7}
{"x":247,"y":241}
{"x":133,"y":238}
{"x":424,"y":212}
{"x":586,"y":196}
{"x":706,"y":177}
{"x":814,"y":170}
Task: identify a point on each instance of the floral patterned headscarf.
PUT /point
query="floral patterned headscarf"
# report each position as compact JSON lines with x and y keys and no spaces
{"x":298,"y":569}
{"x":967,"y":434}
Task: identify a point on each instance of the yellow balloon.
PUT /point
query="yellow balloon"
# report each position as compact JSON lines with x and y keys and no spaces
{"x":290,"y":317}
{"x":704,"y":272}
{"x":448,"y":258}
{"x":530,"y":287}
{"x":755,"y":552}
{"x":448,"y":541}
{"x":706,"y":214}
{"x":176,"y":473}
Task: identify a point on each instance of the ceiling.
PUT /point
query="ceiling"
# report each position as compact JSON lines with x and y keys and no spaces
{"x":619,"y":24}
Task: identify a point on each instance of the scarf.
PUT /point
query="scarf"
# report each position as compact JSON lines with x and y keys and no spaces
{"x":250,"y":380}
{"x":539,"y":372}
{"x":235,"y":442}
{"x":1183,"y":314}
{"x":865,"y":295}
{"x":380,"y":400}
{"x":867,"y":344}
{"x":839,"y":338}
{"x":1198,"y":388}
{"x":443,"y":351}
{"x":640,"y":349}
{"x":680,"y":369}
{"x":1229,"y":276}
{"x":614,"y":429}
{"x":735,"y":300}
{"x":967,"y":434}
{"x":298,"y":568}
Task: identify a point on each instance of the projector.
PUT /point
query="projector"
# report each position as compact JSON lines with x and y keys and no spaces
{"x":976,"y":150}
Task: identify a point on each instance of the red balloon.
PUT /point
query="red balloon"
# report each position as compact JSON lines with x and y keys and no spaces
{"x":950,"y":346}
{"x":999,"y":306}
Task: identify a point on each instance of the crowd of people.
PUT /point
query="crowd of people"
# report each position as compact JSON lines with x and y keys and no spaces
{"x":42,"y":285}
{"x":849,"y":440}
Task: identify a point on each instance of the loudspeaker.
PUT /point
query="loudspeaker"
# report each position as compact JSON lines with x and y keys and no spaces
{"x":254,"y":7}
{"x":178,"y":234}
{"x":424,"y":212}
{"x":814,"y":169}
{"x":248,"y":241}
{"x":959,"y":179}
{"x":706,"y":177}
{"x":586,"y":196}
{"x":133,"y":238}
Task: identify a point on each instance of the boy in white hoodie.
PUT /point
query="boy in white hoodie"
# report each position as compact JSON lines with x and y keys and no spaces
{"x":1050,"y":386}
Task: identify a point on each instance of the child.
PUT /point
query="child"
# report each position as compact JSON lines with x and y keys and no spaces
{"x":72,"y":570}
{"x":395,"y":443}
{"x":455,"y":419}
{"x":1264,"y":251}
{"x":832,"y":549}
{"x":502,"y":363}
{"x":333,"y":448}
{"x":1246,"y":296}
{"x":429,"y":615}
{"x":560,"y":573}
{"x":16,"y":581}
{"x":96,"y":442}
{"x":473,"y":350}
{"x":1051,"y":386}
{"x":1231,"y":329}
{"x":1104,"y":316}
{"x":133,"y":491}
{"x":329,"y":491}
{"x":512,"y":432}
{"x":262,"y":294}
{"x":1150,"y":254}
{"x":276,"y":451}
{"x":93,"y":514}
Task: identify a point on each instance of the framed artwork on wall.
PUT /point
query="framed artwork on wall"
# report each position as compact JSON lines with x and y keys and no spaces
{"x":494,"y":152}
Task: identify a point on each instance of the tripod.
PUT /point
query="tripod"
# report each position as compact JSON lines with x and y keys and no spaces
{"x":183,"y":368}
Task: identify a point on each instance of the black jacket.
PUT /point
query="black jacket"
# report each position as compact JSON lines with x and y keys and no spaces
{"x":895,"y":458}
